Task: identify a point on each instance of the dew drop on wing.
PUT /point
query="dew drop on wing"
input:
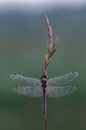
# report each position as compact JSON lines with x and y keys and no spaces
{"x":28,"y":91}
{"x":63,"y":80}
{"x":53,"y":91}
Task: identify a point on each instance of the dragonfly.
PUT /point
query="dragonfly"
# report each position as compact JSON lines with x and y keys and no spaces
{"x":53,"y":87}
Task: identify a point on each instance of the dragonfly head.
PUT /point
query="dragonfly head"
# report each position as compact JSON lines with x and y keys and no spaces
{"x":44,"y":81}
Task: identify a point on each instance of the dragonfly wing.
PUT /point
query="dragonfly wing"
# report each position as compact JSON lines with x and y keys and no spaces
{"x":63,"y":80}
{"x":29,"y":91}
{"x":53,"y":91}
{"x":29,"y":81}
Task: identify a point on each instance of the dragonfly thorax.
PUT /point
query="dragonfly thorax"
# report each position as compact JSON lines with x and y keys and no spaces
{"x":44,"y":81}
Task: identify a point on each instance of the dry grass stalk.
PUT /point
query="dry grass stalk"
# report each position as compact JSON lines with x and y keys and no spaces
{"x":50,"y":51}
{"x":46,"y":123}
{"x":51,"y":47}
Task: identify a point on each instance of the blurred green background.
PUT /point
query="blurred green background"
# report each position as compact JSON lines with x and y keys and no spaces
{"x":23,"y":41}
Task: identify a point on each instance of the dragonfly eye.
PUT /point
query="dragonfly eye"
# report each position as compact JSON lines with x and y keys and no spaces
{"x":44,"y":78}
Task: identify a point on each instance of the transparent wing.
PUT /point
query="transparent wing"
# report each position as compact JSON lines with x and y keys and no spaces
{"x":29,"y":91}
{"x":29,"y":81}
{"x":53,"y":91}
{"x":63,"y":80}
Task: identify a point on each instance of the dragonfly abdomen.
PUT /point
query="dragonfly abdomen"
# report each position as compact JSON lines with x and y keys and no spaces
{"x":44,"y":105}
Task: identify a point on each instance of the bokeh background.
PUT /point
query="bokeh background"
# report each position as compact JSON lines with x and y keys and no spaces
{"x":23,"y":42}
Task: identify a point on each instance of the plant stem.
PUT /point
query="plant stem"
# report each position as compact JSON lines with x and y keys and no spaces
{"x":45,"y":122}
